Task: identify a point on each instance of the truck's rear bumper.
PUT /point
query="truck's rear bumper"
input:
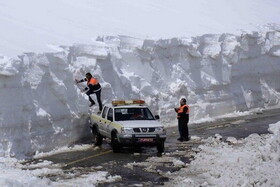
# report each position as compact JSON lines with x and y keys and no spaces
{"x":148,"y":140}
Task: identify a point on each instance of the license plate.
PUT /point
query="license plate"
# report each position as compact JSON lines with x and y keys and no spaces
{"x":145,"y":139}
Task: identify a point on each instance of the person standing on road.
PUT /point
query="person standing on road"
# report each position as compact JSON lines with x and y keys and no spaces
{"x":93,"y":86}
{"x":183,"y":120}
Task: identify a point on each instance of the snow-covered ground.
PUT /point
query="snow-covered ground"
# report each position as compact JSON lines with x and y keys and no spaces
{"x":14,"y":173}
{"x":219,"y":73}
{"x":253,"y":161}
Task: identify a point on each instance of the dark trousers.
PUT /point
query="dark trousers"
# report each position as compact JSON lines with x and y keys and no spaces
{"x":98,"y":97}
{"x":183,"y":129}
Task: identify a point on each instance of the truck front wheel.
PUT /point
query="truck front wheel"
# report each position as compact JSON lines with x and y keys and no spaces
{"x":160,"y":147}
{"x":115,"y":143}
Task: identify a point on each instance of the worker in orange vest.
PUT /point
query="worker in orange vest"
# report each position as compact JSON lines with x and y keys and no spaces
{"x":93,"y":86}
{"x":183,"y":120}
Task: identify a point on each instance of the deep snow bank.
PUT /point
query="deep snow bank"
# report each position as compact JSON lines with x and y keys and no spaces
{"x":253,"y":161}
{"x":41,"y":108}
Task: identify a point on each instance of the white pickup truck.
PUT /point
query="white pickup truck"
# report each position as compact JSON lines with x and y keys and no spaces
{"x":128,"y":123}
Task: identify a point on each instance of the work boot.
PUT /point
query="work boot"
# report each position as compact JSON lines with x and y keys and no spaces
{"x":180,"y":139}
{"x":186,"y":139}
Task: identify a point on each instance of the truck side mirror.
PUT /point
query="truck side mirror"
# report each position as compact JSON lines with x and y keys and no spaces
{"x":157,"y":116}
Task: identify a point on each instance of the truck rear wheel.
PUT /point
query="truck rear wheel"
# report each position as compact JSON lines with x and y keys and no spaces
{"x":97,"y":138}
{"x":115,"y":143}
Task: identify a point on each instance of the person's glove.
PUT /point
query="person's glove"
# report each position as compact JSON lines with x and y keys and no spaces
{"x":77,"y":81}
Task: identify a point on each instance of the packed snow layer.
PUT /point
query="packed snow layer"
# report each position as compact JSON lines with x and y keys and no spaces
{"x":42,"y":108}
{"x":253,"y":161}
{"x":14,"y":173}
{"x":33,"y":25}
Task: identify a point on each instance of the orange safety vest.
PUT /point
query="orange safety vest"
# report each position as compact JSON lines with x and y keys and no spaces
{"x":92,"y":81}
{"x":181,"y":110}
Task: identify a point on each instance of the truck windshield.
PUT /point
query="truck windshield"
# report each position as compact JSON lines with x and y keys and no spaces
{"x":123,"y":114}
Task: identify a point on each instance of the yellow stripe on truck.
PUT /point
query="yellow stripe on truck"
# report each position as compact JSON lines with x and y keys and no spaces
{"x":116,"y":125}
{"x":95,"y":117}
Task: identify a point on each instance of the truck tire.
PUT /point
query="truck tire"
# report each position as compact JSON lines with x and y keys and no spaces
{"x":115,"y":143}
{"x":160,"y":147}
{"x":97,"y":138}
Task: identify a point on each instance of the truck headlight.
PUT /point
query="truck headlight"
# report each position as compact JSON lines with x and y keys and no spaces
{"x":126,"y":130}
{"x":159,"y":130}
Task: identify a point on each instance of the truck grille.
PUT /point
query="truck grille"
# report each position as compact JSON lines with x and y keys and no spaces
{"x":144,"y":130}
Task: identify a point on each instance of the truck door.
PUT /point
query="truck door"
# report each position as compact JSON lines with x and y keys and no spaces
{"x":108,"y":122}
{"x":102,"y":124}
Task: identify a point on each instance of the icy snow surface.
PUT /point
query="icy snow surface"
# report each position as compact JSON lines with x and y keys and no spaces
{"x":13,"y":173}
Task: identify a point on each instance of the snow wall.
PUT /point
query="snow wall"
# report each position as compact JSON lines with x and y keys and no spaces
{"x":42,"y":108}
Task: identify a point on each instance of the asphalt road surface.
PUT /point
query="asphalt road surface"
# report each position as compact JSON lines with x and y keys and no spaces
{"x":139,"y":174}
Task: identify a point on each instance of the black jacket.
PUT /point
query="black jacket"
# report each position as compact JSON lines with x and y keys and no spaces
{"x":183,"y":116}
{"x":91,"y":87}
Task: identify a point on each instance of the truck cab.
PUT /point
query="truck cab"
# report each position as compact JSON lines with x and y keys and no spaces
{"x":128,"y":123}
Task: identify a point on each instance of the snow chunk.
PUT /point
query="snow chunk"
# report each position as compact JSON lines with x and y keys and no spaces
{"x":8,"y":67}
